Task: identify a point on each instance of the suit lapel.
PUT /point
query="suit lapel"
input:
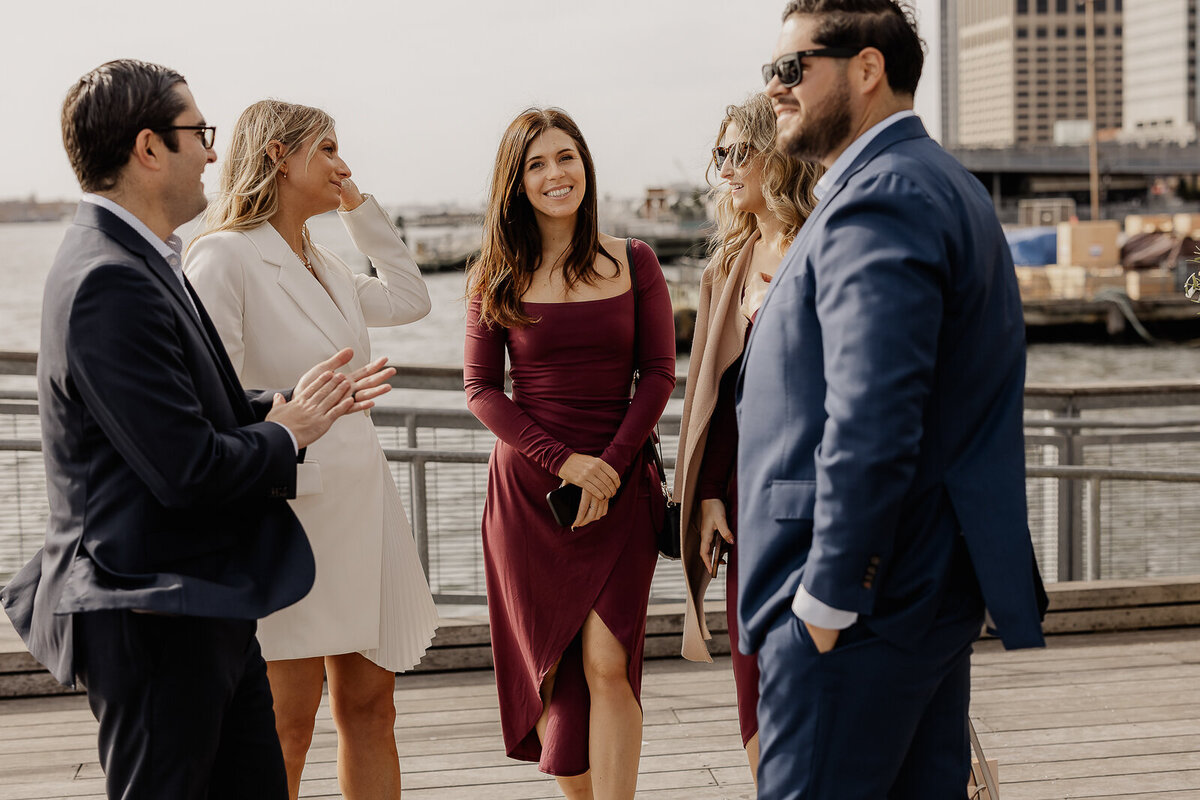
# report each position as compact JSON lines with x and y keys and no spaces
{"x":103,"y":220}
{"x":907,"y":128}
{"x":112,"y":226}
{"x":327,"y":312}
{"x":234,"y":386}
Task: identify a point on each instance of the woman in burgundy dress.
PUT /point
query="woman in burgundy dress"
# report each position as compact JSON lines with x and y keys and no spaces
{"x":567,"y":603}
{"x":762,"y":201}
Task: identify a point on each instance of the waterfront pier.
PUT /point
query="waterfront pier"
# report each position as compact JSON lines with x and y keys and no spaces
{"x":1111,"y":708}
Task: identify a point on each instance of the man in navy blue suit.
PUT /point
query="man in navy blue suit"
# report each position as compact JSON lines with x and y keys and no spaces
{"x":169,"y":530}
{"x":881,"y":462}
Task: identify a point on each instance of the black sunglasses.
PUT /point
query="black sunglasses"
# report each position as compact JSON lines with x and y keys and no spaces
{"x":210,"y":132}
{"x":738,"y":153}
{"x":790,"y":71}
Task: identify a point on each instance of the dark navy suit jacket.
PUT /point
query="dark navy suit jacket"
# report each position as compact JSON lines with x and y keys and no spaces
{"x":880,"y":407}
{"x":168,"y":492}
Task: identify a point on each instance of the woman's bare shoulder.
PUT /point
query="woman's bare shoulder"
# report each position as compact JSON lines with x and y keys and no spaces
{"x":614,"y":247}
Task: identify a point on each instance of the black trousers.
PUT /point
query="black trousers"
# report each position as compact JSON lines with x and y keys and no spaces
{"x":184,"y":707}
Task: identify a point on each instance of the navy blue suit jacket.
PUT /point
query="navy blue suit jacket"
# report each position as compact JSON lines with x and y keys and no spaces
{"x":880,"y":407}
{"x":168,"y":492}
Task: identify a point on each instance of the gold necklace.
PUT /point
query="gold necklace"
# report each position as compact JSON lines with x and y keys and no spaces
{"x":304,"y":260}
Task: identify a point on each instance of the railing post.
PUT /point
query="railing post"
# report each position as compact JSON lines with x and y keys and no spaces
{"x":416,"y":487}
{"x":410,"y":424}
{"x":420,"y":512}
{"x":1070,"y":505}
{"x":1093,"y":530}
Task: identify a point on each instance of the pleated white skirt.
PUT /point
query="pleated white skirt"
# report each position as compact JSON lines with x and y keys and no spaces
{"x":407,"y":616}
{"x":370,"y":594}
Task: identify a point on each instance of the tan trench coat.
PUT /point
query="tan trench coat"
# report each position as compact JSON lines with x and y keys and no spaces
{"x":719,"y":340}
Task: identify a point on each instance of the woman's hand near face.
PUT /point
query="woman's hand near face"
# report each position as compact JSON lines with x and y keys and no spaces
{"x":352,"y":198}
{"x":712,"y":522}
{"x":590,"y":474}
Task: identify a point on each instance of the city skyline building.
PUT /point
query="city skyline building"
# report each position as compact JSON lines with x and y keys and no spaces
{"x":1021,"y":77}
{"x":1161,"y":101}
{"x":948,"y":52}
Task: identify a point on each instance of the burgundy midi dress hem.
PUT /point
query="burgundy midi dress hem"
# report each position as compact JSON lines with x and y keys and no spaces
{"x":718,"y":480}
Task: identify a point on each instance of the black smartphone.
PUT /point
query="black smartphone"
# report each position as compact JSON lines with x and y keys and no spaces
{"x":564,"y":503}
{"x":718,"y":550}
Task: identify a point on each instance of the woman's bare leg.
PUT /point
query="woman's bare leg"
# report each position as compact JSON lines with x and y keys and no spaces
{"x":752,"y":757}
{"x":362,"y":700}
{"x":573,"y":787}
{"x":615,"y":729}
{"x":296,"y":690}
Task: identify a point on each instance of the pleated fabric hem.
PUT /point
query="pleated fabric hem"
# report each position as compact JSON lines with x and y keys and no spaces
{"x":408,"y":618}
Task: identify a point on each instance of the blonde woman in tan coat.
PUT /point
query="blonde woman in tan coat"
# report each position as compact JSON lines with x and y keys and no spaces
{"x":762,"y":200}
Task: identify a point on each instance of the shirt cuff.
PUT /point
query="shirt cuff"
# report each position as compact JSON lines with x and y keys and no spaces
{"x":814,"y":612}
{"x":292,"y":436}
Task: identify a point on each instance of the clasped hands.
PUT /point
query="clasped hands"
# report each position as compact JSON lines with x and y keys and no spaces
{"x":323,"y":394}
{"x":599,"y":482}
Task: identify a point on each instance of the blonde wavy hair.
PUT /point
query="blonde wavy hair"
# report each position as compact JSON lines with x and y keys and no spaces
{"x":787,"y":184}
{"x":249,"y":194}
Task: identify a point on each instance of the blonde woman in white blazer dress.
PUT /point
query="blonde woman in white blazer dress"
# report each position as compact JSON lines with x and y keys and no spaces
{"x":279,"y":302}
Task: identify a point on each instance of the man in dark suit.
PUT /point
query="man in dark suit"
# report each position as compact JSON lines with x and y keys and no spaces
{"x":881,"y":459}
{"x":169,"y":530}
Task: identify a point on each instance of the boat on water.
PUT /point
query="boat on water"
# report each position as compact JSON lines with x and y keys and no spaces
{"x":1078,"y":280}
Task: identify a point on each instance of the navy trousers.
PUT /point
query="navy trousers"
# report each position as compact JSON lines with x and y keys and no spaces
{"x":869,"y":720}
{"x":184,"y":707}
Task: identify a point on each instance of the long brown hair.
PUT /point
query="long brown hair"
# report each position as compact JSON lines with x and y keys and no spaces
{"x":512,"y":242}
{"x":787,"y":184}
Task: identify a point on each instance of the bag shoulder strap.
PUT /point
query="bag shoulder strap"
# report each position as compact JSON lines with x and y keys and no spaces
{"x":989,"y":780}
{"x":633,"y":286}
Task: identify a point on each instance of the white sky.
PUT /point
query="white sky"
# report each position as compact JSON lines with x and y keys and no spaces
{"x":421,"y":89}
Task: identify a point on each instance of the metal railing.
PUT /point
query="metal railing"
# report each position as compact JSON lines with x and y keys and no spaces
{"x":1109,"y":481}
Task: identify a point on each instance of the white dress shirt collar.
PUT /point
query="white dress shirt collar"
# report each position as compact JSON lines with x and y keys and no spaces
{"x":171,"y":250}
{"x":843,"y":162}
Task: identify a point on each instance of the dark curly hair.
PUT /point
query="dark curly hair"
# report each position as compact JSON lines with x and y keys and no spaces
{"x":106,"y":109}
{"x":888,"y":26}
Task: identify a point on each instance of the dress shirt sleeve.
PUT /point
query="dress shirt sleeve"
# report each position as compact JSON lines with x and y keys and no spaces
{"x":811,"y":610}
{"x":720,"y":448}
{"x":292,"y":436}
{"x":655,"y":361}
{"x":398,"y":295}
{"x":483,"y":380}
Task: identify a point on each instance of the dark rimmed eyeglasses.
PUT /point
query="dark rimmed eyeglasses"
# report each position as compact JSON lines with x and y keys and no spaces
{"x":738,"y":153}
{"x":210,"y":132}
{"x":790,"y":70}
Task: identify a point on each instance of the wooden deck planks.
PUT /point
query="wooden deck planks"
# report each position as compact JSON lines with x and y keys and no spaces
{"x":1096,"y":716}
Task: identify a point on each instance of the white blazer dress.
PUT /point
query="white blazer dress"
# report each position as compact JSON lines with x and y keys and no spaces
{"x":276,"y":320}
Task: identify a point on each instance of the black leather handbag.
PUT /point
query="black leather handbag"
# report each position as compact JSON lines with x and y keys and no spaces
{"x":664,"y":512}
{"x":666,"y":534}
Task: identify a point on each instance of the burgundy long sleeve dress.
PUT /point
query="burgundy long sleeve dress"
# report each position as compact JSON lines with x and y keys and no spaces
{"x":571,"y":373}
{"x":718,"y":480}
